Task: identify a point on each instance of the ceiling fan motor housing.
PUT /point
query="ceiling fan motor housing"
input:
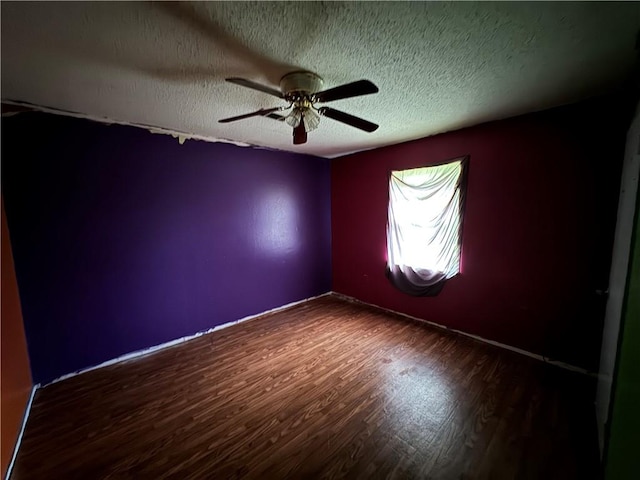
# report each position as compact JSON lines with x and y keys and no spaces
{"x":300,"y":82}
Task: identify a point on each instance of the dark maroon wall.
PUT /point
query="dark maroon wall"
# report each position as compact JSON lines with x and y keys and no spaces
{"x":538,"y":227}
{"x":124,"y":239}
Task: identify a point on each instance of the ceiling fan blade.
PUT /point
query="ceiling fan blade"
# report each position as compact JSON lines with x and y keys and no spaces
{"x":300,"y":133}
{"x":256,"y":86}
{"x":354,"y":89}
{"x":275,"y":116}
{"x":260,"y":113}
{"x":357,"y":122}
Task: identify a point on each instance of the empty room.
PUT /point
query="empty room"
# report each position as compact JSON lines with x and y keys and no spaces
{"x":294,"y":240}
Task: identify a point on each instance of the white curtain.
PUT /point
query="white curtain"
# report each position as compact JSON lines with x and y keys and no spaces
{"x":423,"y":231}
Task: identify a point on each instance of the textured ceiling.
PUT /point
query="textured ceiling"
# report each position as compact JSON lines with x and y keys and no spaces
{"x":439,"y":66}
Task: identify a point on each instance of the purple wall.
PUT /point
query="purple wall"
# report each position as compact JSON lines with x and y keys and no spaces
{"x":124,"y":239}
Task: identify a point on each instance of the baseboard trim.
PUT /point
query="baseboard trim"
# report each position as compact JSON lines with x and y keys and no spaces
{"x":504,"y":346}
{"x":25,"y":417}
{"x":171,"y":343}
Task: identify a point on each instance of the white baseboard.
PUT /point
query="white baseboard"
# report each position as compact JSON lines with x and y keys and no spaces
{"x":171,"y":343}
{"x":25,"y":417}
{"x":153,"y":349}
{"x":541,"y":358}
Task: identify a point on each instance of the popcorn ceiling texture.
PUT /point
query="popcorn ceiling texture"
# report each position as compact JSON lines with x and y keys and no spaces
{"x":439,"y":66}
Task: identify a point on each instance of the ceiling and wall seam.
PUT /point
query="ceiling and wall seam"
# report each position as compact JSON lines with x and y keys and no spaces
{"x":440,"y":66}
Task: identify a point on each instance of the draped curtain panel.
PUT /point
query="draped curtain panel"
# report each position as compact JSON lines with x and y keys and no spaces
{"x":424,"y":229}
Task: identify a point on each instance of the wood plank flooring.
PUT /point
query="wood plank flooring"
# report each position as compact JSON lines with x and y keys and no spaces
{"x":326,"y":389}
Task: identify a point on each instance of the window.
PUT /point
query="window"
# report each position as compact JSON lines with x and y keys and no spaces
{"x":424,"y":226}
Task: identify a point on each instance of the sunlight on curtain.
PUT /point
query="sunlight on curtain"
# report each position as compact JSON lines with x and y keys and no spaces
{"x":423,"y":231}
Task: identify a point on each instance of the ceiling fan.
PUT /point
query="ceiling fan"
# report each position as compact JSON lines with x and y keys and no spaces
{"x":303,"y":90}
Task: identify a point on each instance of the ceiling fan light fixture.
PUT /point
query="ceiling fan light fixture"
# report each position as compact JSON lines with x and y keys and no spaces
{"x":293,"y":119}
{"x":311,"y":119}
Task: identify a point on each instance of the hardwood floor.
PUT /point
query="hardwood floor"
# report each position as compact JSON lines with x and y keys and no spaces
{"x":327,"y":389}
